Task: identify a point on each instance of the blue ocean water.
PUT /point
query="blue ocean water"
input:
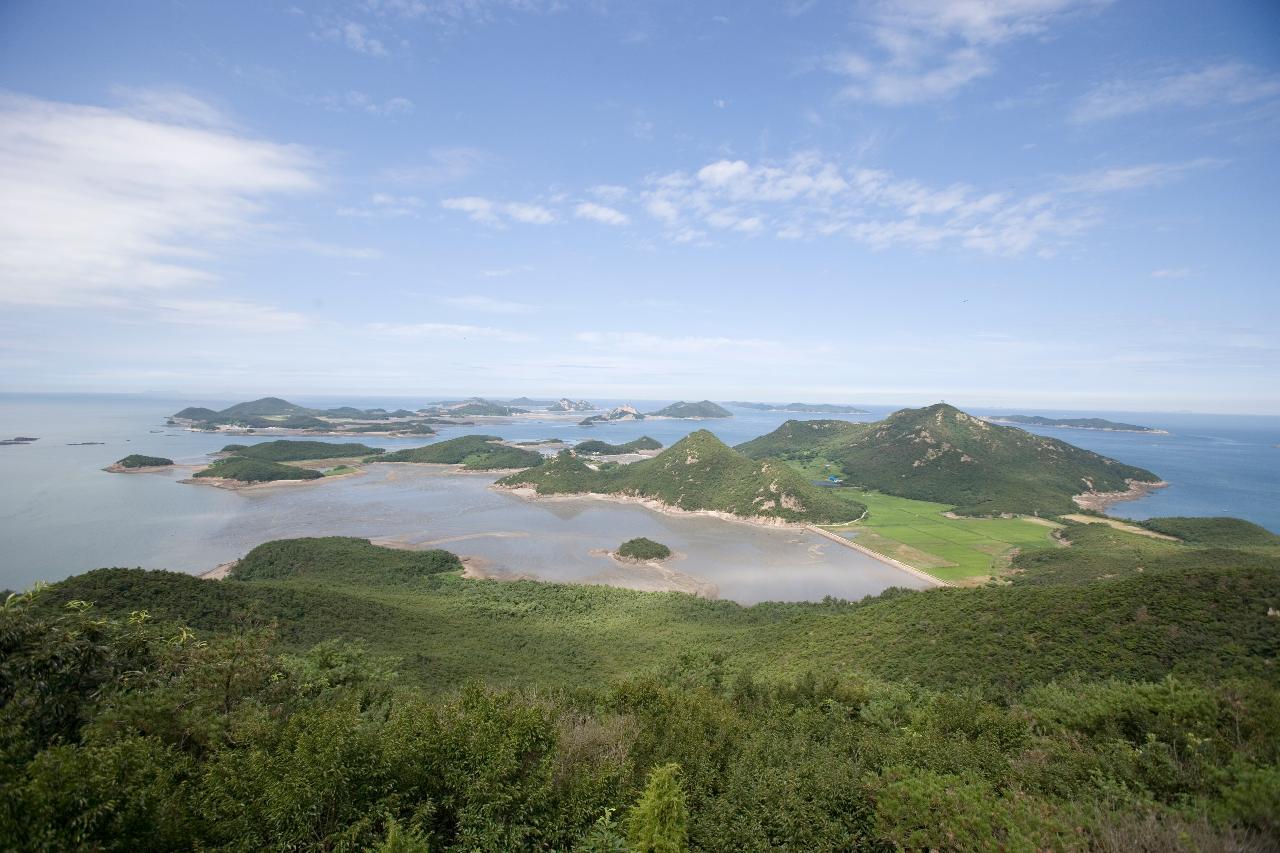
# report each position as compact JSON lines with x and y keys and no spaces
{"x":60,"y":514}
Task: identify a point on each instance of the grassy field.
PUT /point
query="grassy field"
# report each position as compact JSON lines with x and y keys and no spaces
{"x":958,"y":550}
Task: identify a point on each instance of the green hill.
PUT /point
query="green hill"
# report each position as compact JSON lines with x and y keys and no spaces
{"x":682,"y":409}
{"x":285,"y":450}
{"x":941,"y":454}
{"x":799,"y":440}
{"x":247,"y":470}
{"x":699,"y":472}
{"x":1215,"y":532}
{"x":473,"y":452}
{"x":137,"y":460}
{"x":604,"y":448}
{"x":264,"y":407}
{"x":196,"y":413}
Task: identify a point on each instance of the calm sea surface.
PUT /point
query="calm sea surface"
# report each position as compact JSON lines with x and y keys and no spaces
{"x":60,"y":514}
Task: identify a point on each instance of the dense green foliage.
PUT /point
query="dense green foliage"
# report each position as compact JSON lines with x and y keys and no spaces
{"x":473,"y":452}
{"x":941,"y":454}
{"x":1136,"y":714}
{"x":285,"y":450}
{"x":1222,"y":532}
{"x":1074,"y":423}
{"x":247,"y":470}
{"x":702,"y":409}
{"x":341,"y":558}
{"x":137,"y":460}
{"x":1098,"y":552}
{"x":604,"y":448}
{"x":641,"y":548}
{"x":697,"y":473}
{"x":800,"y":440}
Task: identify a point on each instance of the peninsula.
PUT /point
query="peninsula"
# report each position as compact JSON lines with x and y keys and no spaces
{"x":1073,"y":423}
{"x":939,"y":453}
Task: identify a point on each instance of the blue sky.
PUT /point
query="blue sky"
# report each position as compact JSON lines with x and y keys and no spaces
{"x":1041,"y":203}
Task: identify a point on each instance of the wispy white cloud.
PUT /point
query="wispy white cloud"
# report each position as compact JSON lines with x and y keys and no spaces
{"x":807,"y":197}
{"x":384,"y":205}
{"x":1172,"y":272}
{"x":499,"y":213}
{"x":354,"y":100}
{"x":448,"y":331}
{"x":923,"y":50}
{"x":1225,"y":83}
{"x":441,"y":166}
{"x":487,"y":304}
{"x":600,"y":213}
{"x":170,"y":105}
{"x":1136,"y":177}
{"x":98,"y":202}
{"x":353,"y":35}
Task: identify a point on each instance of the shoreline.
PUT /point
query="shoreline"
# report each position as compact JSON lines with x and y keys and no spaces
{"x":1100,"y":501}
{"x":757,"y":521}
{"x":654,"y":504}
{"x":897,"y":564}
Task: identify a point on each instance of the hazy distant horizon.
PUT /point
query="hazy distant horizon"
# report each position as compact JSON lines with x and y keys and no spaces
{"x":1058,"y":203}
{"x":885,"y":401}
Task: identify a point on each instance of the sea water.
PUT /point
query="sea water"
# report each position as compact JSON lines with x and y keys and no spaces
{"x":60,"y":514}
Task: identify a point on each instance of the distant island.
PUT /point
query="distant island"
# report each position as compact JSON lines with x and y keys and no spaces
{"x":472,"y":452}
{"x":702,"y":409}
{"x":1073,"y":423}
{"x":699,"y":473}
{"x":603,"y":448}
{"x":275,"y":413}
{"x":619,"y":413}
{"x":564,"y":404}
{"x":138,"y":462}
{"x":820,"y":408}
{"x":239,"y":470}
{"x":18,"y":439}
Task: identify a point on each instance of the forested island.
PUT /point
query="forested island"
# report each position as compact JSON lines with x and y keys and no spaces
{"x":1073,"y":423}
{"x":138,"y":462}
{"x":702,"y":409}
{"x":472,"y":452}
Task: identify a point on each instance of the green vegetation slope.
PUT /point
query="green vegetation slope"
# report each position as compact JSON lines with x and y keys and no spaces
{"x":285,"y":450}
{"x":682,"y":409}
{"x":473,"y":452}
{"x":137,"y":460}
{"x":604,"y":448}
{"x":246,"y":470}
{"x":941,"y":454}
{"x":699,"y":472}
{"x":1137,"y":713}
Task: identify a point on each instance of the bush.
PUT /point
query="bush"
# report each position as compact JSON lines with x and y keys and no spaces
{"x":643,"y":549}
{"x":137,"y":460}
